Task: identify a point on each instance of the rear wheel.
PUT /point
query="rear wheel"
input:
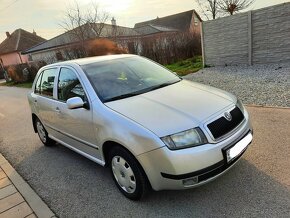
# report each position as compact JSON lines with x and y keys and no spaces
{"x":42,"y":133}
{"x":128,"y":174}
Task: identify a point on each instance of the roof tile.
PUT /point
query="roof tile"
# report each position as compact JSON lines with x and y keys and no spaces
{"x":179,"y":21}
{"x":19,"y":40}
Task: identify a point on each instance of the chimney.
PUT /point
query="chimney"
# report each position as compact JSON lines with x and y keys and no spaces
{"x":113,"y":21}
{"x":8,"y":34}
{"x":34,"y":33}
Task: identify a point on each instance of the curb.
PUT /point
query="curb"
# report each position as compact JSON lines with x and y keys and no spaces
{"x":34,"y":201}
{"x":266,"y":106}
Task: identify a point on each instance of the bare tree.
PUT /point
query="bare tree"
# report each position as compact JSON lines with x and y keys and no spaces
{"x":96,"y":19}
{"x":209,"y":8}
{"x":83,"y":25}
{"x":232,"y":6}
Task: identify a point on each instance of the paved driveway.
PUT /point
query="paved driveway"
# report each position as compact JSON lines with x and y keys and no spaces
{"x":258,"y":186}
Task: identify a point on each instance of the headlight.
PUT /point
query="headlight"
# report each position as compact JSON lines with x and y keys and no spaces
{"x":188,"y":138}
{"x":240,"y":105}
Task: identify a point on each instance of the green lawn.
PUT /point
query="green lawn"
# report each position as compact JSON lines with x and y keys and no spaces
{"x":187,"y":66}
{"x":20,"y":85}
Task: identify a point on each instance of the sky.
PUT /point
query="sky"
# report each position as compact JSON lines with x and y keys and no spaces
{"x":45,"y":16}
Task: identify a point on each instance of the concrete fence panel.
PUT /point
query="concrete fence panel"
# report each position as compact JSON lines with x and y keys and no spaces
{"x":255,"y":37}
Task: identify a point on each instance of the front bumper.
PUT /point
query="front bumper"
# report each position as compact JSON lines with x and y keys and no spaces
{"x":192,"y":167}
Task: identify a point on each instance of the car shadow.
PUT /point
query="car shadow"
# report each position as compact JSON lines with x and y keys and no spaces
{"x":74,"y":186}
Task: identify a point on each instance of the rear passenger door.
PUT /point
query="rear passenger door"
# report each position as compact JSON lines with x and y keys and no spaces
{"x":45,"y":97}
{"x":74,"y":125}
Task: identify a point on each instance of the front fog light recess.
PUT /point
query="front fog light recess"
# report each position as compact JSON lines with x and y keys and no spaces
{"x":190,"y":181}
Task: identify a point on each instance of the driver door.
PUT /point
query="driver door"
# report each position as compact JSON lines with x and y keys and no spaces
{"x":74,"y":126}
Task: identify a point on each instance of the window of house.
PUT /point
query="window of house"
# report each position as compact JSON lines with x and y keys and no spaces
{"x":131,"y":48}
{"x":69,"y":85}
{"x":30,"y":58}
{"x":59,"y":56}
{"x":47,"y":82}
{"x":195,"y":20}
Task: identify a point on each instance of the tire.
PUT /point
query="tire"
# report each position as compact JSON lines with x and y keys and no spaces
{"x":42,"y":133}
{"x":128,"y":174}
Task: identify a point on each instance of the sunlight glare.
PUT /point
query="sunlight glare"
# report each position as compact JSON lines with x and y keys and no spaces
{"x":117,"y":5}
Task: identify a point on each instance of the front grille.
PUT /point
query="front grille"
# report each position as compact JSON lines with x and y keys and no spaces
{"x":222,"y":126}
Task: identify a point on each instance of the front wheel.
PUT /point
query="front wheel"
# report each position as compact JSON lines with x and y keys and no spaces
{"x":128,"y":174}
{"x":42,"y":133}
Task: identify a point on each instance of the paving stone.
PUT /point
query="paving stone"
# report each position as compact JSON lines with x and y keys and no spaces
{"x":34,"y":201}
{"x":10,"y":201}
{"x":2,"y":175}
{"x":12,"y":174}
{"x":2,"y":159}
{"x":8,"y":190}
{"x":39,"y":207}
{"x":4,"y":182}
{"x":31,"y":216}
{"x":19,"y":211}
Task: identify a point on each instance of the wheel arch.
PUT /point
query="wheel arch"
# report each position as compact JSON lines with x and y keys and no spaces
{"x":34,"y":117}
{"x":109,"y":145}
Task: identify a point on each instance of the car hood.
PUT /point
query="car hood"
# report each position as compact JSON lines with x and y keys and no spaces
{"x":173,"y":108}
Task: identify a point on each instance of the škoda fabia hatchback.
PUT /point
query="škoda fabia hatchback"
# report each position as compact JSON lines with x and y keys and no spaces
{"x":150,"y":127}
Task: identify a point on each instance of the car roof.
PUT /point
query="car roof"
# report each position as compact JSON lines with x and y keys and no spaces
{"x":84,"y":61}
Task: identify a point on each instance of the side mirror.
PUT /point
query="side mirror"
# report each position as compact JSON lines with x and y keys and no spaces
{"x":74,"y":103}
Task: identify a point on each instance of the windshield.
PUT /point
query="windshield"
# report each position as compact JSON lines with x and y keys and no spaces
{"x":126,"y":77}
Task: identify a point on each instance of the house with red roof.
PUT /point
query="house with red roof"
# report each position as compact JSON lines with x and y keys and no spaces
{"x":187,"y":21}
{"x":14,"y":44}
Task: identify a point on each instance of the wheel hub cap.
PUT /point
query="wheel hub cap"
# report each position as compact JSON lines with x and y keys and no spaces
{"x":123,"y":174}
{"x":41,"y":132}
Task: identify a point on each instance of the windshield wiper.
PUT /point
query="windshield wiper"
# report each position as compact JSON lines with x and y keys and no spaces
{"x":163,"y":85}
{"x":125,"y":96}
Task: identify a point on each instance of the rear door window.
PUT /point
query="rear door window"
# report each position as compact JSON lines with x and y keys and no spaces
{"x":47,"y":82}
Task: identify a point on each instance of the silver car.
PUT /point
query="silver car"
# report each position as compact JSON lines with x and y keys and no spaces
{"x":150,"y":127}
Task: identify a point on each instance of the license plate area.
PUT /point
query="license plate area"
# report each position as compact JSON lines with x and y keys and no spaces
{"x":233,"y":151}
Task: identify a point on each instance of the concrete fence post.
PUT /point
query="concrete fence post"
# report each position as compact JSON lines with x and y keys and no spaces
{"x":250,"y":39}
{"x":202,"y":44}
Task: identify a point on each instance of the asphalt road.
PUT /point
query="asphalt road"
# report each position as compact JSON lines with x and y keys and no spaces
{"x":73,"y":186}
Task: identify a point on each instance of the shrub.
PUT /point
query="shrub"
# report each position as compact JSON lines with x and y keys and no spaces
{"x":33,"y":69}
{"x":23,"y":72}
{"x":103,"y":47}
{"x":15,"y":72}
{"x":169,"y":48}
{"x":32,"y":73}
